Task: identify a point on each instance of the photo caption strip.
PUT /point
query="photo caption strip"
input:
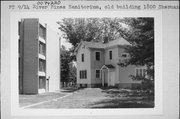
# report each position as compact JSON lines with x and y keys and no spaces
{"x":62,"y":5}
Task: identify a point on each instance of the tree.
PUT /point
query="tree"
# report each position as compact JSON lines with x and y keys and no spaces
{"x":72,"y":73}
{"x":68,"y":70}
{"x":88,"y":29}
{"x":140,"y":34}
{"x":65,"y":60}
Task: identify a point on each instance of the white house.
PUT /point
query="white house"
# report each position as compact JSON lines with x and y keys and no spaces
{"x":97,"y":65}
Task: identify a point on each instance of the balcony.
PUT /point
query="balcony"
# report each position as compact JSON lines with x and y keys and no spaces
{"x":42,"y":51}
{"x":41,"y":73}
{"x":42,"y":57}
{"x":42,"y":40}
{"x":42,"y":66}
{"x":42,"y":31}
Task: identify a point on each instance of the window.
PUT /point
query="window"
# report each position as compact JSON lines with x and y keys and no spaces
{"x":97,"y":56}
{"x":110,"y":55}
{"x":42,"y":32}
{"x":124,"y":55}
{"x":140,"y":72}
{"x":82,"y":57}
{"x":42,"y":65}
{"x":97,"y":73}
{"x":83,"y":74}
{"x":42,"y":49}
{"x":42,"y":82}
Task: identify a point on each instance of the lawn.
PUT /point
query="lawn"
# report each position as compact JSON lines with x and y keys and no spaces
{"x":101,"y":98}
{"x":124,"y":98}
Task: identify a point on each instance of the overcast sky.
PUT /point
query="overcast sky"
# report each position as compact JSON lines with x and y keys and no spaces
{"x":54,"y":26}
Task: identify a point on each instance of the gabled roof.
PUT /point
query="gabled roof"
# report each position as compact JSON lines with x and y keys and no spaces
{"x":109,"y":66}
{"x":101,"y":45}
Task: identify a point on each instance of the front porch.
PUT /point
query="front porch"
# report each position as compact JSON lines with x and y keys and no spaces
{"x":108,"y":75}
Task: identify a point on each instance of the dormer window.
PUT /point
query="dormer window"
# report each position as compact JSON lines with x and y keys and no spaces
{"x":97,"y":55}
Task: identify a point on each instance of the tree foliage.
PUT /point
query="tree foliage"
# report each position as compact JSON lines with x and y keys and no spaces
{"x":141,"y":37}
{"x":140,"y":34}
{"x":65,"y":60}
{"x":89,"y":29}
{"x":68,"y":71}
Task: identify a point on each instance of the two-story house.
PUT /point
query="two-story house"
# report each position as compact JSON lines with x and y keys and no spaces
{"x":97,"y":65}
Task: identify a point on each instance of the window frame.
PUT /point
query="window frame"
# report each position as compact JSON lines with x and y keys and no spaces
{"x":82,"y":74}
{"x":99,"y":73}
{"x":82,"y":57}
{"x":99,"y":55}
{"x":140,"y":72}
{"x":110,"y":55}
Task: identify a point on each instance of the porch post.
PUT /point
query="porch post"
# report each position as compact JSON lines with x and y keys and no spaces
{"x":102,"y":77}
{"x":108,"y":77}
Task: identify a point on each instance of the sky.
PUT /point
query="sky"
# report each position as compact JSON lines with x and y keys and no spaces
{"x":54,"y":26}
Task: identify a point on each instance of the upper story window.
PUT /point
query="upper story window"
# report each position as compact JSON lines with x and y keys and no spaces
{"x":42,"y":49}
{"x":42,"y":32}
{"x":140,"y":72}
{"x":82,"y":57}
{"x":42,"y":66}
{"x":110,"y":55}
{"x":97,"y":55}
{"x":124,"y":55}
{"x":97,"y":73}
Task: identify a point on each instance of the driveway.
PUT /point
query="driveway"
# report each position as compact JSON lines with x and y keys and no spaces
{"x":98,"y":98}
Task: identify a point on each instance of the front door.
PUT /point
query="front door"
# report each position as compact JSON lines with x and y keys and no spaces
{"x":104,"y":77}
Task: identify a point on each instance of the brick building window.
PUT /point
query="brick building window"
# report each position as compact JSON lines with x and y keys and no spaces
{"x":42,"y":32}
{"x":42,"y":65}
{"x":42,"y":49}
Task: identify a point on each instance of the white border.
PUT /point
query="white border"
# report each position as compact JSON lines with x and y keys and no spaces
{"x":16,"y":111}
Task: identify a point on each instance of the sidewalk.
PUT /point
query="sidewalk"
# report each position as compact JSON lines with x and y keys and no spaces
{"x":26,"y":100}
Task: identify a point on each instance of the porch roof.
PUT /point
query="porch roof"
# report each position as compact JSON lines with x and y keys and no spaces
{"x":109,"y":66}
